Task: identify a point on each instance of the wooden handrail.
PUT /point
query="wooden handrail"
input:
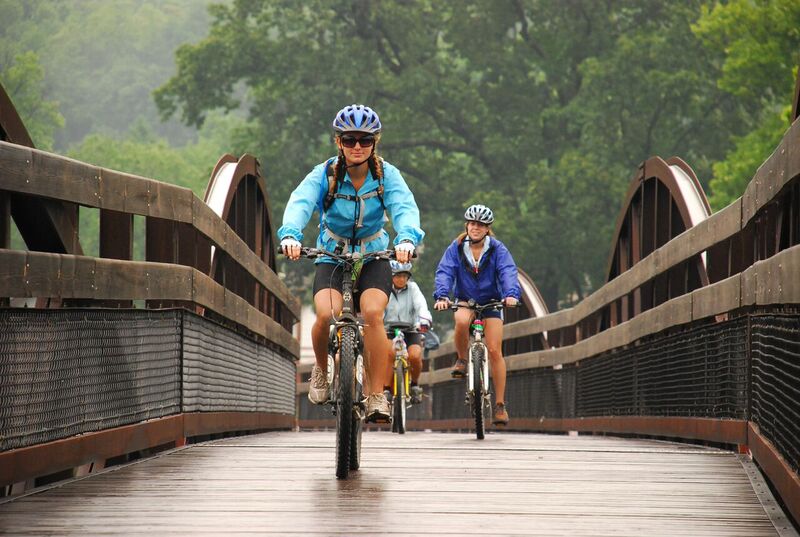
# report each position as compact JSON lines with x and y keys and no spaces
{"x":39,"y":173}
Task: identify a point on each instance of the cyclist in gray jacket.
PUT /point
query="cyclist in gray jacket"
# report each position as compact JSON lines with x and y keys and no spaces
{"x":407,"y":305}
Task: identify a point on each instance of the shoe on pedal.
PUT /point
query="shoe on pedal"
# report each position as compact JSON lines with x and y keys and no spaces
{"x":500,"y":416}
{"x":318,"y":386}
{"x":377,"y":408}
{"x":416,"y":394}
{"x":459,"y":369}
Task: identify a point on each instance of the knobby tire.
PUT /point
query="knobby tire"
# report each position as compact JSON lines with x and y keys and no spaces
{"x":399,"y":402}
{"x":477,"y":395}
{"x":355,"y":433}
{"x":344,"y":400}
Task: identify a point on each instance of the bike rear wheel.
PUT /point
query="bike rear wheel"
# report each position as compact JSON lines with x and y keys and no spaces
{"x":399,"y":401}
{"x":344,"y":400}
{"x":478,"y":355}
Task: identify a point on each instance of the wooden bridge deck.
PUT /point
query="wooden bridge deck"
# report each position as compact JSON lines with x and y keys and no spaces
{"x":417,"y":484}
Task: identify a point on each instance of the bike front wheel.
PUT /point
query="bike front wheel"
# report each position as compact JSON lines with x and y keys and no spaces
{"x":477,"y":356}
{"x":344,"y":400}
{"x":357,"y":428}
{"x":399,"y":401}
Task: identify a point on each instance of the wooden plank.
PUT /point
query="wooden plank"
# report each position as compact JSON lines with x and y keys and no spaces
{"x":508,"y":484}
{"x":12,"y":273}
{"x":720,"y":297}
{"x":116,"y":235}
{"x":780,"y":474}
{"x":43,"y":459}
{"x":38,"y":274}
{"x":5,"y":220}
{"x":773,"y":280}
{"x":545,"y":358}
{"x":205,"y":423}
{"x":782,"y":166}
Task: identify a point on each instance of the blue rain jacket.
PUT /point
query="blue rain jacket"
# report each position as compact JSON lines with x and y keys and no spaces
{"x":343,"y":215}
{"x":495,"y":279}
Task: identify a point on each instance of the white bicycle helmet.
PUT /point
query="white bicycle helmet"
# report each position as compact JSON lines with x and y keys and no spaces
{"x":399,"y":268}
{"x":479,"y":213}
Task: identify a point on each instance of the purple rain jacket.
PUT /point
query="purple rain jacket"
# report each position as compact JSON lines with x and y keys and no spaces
{"x":496,"y":277}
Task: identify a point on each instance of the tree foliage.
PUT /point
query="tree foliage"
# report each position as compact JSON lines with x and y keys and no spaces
{"x":541,"y":109}
{"x":759,"y":42}
{"x":100,"y":59}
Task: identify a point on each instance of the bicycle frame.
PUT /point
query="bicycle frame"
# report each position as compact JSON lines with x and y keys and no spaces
{"x":346,"y":361}
{"x":400,"y":358}
{"x":476,"y":336}
{"x":478,"y":396}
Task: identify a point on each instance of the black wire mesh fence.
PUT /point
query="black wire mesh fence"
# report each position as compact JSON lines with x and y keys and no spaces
{"x":70,"y":371}
{"x":775,"y":408}
{"x":700,"y":372}
{"x":745,"y":368}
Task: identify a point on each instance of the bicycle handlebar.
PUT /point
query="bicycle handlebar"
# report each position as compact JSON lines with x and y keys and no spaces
{"x":313,"y":253}
{"x":496,"y":305}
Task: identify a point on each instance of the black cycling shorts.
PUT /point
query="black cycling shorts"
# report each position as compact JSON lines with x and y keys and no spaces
{"x":412,"y":338}
{"x":376,"y":274}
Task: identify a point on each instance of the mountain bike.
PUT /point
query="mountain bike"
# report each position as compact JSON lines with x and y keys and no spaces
{"x":478,"y":397}
{"x":346,"y":360}
{"x":401,"y":385}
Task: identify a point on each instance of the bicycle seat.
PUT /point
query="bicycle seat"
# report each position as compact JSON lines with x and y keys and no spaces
{"x":400,"y":326}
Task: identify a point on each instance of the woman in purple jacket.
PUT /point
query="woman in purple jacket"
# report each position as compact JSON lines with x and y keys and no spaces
{"x":477,"y":266}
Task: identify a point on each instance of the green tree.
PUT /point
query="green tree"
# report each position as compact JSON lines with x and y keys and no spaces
{"x":22,"y":81}
{"x":759,"y":43}
{"x":102,"y":59}
{"x":543,"y":109}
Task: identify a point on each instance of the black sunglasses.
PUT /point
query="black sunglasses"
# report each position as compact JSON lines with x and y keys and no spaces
{"x":349,"y":141}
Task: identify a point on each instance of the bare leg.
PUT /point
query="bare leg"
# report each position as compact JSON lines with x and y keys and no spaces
{"x":388,"y":380}
{"x":373,"y":303}
{"x":415,"y":361}
{"x":494,"y":342}
{"x":321,"y":328}
{"x":463,"y":317}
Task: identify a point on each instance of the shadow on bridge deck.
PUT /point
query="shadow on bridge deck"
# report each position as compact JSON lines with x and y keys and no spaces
{"x":417,"y":484}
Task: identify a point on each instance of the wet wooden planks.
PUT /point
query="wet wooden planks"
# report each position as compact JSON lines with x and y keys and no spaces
{"x":416,"y":484}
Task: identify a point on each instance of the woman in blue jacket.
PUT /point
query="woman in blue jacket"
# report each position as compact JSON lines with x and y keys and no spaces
{"x":477,"y":266}
{"x":352,"y":192}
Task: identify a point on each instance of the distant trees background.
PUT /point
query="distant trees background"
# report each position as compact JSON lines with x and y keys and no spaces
{"x":540,"y":109}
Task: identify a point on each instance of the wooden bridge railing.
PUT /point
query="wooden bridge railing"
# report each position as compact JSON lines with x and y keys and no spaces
{"x":176,"y":269}
{"x":121,"y":356}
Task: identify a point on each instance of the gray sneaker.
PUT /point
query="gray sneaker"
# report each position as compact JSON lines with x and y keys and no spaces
{"x":377,"y":408}
{"x":318,"y":387}
{"x":416,"y":394}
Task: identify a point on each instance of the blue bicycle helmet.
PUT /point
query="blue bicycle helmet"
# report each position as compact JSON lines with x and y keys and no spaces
{"x":399,"y":268}
{"x":357,"y":118}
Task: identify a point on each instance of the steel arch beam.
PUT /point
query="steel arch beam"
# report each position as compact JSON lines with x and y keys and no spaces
{"x":237,"y":193}
{"x":664,"y":199}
